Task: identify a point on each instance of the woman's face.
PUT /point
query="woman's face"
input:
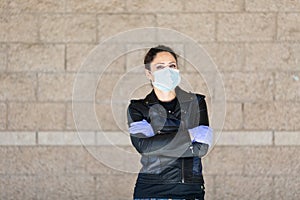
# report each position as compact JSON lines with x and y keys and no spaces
{"x":161,"y":60}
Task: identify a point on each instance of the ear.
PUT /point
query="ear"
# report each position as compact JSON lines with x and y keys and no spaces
{"x":148,"y":74}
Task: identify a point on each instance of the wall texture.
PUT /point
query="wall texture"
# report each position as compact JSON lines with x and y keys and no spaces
{"x":254,"y":43}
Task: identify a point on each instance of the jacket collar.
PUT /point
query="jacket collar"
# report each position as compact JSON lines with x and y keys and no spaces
{"x":181,"y":95}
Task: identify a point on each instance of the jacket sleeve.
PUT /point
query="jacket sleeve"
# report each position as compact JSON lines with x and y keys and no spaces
{"x":201,"y":149}
{"x":171,"y":144}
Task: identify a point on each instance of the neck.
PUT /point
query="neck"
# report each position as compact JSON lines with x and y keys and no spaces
{"x":165,"y":96}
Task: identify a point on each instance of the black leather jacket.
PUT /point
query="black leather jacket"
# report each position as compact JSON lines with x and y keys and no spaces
{"x":170,"y":156}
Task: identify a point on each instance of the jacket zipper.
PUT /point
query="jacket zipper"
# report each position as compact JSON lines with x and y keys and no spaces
{"x":182,"y":170}
{"x":182,"y":164}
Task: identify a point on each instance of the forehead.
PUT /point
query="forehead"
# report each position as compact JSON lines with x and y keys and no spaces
{"x":163,"y":57}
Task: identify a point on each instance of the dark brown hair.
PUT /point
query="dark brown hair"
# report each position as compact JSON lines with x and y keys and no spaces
{"x":149,"y":57}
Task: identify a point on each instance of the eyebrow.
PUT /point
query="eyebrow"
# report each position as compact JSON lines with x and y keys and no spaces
{"x":164,"y":63}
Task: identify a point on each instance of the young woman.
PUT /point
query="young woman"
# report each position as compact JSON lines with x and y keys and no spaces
{"x":170,"y":129}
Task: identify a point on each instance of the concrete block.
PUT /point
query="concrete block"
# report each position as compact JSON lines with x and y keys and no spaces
{"x":2,"y":188}
{"x":104,"y":58}
{"x":226,"y":56}
{"x":213,"y":6}
{"x":241,"y":187}
{"x":209,"y":186}
{"x":76,"y":55}
{"x":283,"y":157}
{"x":17,"y":138}
{"x":36,"y":57}
{"x":264,"y":115}
{"x":50,"y":160}
{"x":36,"y":116}
{"x":80,"y":116}
{"x":286,"y":187}
{"x":231,"y":117}
{"x":271,"y":161}
{"x":146,"y":7}
{"x":246,"y":27}
{"x":287,"y":86}
{"x":18,"y":27}
{"x":17,"y":6}
{"x":66,"y":138}
{"x":109,"y":156}
{"x":3,"y":57}
{"x":65,"y":187}
{"x":199,"y":83}
{"x":266,"y":57}
{"x":105,"y":138}
{"x":245,"y":87}
{"x":21,"y":160}
{"x":115,"y":88}
{"x":110,"y":25}
{"x":245,"y":138}
{"x":272,"y":6}
{"x":19,"y":187}
{"x":112,"y":117}
{"x":200,"y":27}
{"x":91,"y":6}
{"x":68,"y":28}
{"x":260,"y":161}
{"x":287,"y":138}
{"x":55,"y":87}
{"x":234,"y":116}
{"x":3,"y":5}
{"x":288,"y":27}
{"x":225,"y":161}
{"x":19,"y":86}
{"x":102,"y":160}
{"x":135,"y":61}
{"x":100,"y":116}
{"x":106,"y":188}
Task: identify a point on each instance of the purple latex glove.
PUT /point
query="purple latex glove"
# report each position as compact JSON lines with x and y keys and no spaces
{"x":141,"y":127}
{"x":201,"y":134}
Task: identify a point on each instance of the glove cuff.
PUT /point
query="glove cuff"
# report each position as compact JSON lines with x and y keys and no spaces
{"x":202,"y":134}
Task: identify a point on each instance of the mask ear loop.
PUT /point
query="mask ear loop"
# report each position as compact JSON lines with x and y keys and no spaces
{"x":150,"y":78}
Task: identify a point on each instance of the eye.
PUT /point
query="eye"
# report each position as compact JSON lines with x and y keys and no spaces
{"x":160,"y":67}
{"x":172,"y":66}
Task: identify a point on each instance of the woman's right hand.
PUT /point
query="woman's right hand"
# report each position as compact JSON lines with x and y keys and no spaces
{"x":142,"y":127}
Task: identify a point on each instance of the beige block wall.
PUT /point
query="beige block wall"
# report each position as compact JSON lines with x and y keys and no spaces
{"x":255,"y":45}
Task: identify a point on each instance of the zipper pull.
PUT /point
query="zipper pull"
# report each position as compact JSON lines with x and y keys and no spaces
{"x":192,"y":149}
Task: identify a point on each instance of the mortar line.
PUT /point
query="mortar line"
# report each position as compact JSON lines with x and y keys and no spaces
{"x":65,"y":6}
{"x":36,"y":138}
{"x":243,"y":115}
{"x":274,"y":86}
{"x":6,"y":56}
{"x":244,"y":6}
{"x":65,"y":57}
{"x":273,"y":138}
{"x":266,"y":41}
{"x":276,"y":28}
{"x":6,"y":106}
{"x":244,"y":58}
{"x":242,"y":11}
{"x":66,"y":116}
{"x":216,"y":28}
{"x":97,"y":29}
{"x":36,"y":86}
{"x":273,"y":188}
{"x":39,"y":25}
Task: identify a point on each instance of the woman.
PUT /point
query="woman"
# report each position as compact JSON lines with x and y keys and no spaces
{"x":170,"y":129}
